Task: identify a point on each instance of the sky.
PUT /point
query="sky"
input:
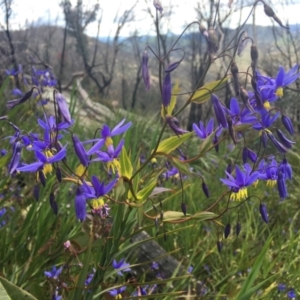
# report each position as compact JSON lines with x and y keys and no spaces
{"x":183,"y":12}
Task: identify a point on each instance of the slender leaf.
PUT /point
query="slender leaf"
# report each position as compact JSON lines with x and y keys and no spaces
{"x":10,"y":291}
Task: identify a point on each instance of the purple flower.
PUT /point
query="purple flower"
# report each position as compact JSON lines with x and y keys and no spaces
{"x":116,"y":292}
{"x":291,"y":294}
{"x":44,"y":161}
{"x":63,"y":107}
{"x":54,"y":273}
{"x":239,"y":184}
{"x":121,"y":266}
{"x":281,"y":287}
{"x":203,"y":132}
{"x":284,"y":79}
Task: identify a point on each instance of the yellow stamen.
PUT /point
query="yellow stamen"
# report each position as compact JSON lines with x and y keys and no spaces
{"x":267,"y":105}
{"x":240,"y":195}
{"x":48,"y":167}
{"x":114,"y":165}
{"x":154,"y":160}
{"x":279,"y":92}
{"x":80,"y":170}
{"x":255,"y":183}
{"x":108,"y":142}
{"x":271,"y":182}
{"x":97,"y":203}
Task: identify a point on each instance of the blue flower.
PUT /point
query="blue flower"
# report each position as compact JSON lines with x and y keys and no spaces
{"x":284,"y":79}
{"x":44,"y":161}
{"x":121,"y":266}
{"x":54,"y":273}
{"x":203,"y":132}
{"x":281,"y":287}
{"x":291,"y":294}
{"x":116,"y":292}
{"x":239,"y":184}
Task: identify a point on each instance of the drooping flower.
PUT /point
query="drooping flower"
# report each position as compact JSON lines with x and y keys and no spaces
{"x":227,"y":231}
{"x":281,"y":185}
{"x":238,"y":185}
{"x":63,"y":107}
{"x":219,"y":111}
{"x":263,"y":212}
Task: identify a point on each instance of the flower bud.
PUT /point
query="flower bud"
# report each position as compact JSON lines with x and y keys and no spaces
{"x":243,"y":43}
{"x":167,"y":90}
{"x":205,"y":189}
{"x":245,"y":154}
{"x":58,"y":174}
{"x":63,"y":107}
{"x":219,"y":246}
{"x":80,"y":151}
{"x":183,"y":208}
{"x":278,"y":145}
{"x":254,"y":54}
{"x":236,"y":83}
{"x":268,"y":10}
{"x":158,"y":5}
{"x":171,"y":67}
{"x":281,"y":186}
{"x":53,"y":203}
{"x":252,"y":155}
{"x":287,"y":123}
{"x":80,"y":205}
{"x":42,"y":177}
{"x":203,"y":30}
{"x":230,"y":128}
{"x":263,"y":212}
{"x":36,"y":192}
{"x":284,"y":140}
{"x":219,"y":111}
{"x":12,"y":103}
{"x":212,"y":41}
{"x":227,"y":231}
{"x":145,"y":70}
{"x":174,"y":125}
